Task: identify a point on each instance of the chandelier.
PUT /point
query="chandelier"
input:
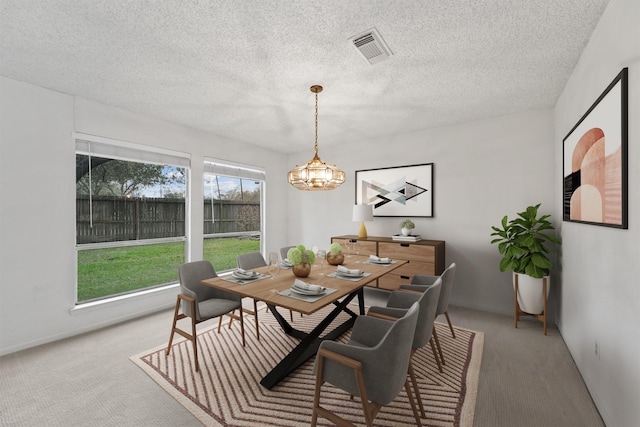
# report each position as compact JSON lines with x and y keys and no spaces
{"x":316,"y":174}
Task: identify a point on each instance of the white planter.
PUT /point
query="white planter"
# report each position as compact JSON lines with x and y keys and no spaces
{"x":406,"y":231}
{"x":530,"y":293}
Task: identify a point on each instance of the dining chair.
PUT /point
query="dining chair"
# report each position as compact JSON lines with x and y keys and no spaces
{"x":397,"y":305}
{"x":284,"y":251}
{"x":420,"y":282}
{"x":200,"y":303}
{"x":372,"y":365}
{"x":249,"y":261}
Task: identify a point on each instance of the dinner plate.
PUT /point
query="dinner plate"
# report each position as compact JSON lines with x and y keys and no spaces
{"x":244,"y":276}
{"x":380,"y":262}
{"x":306,"y":292}
{"x":347,"y":274}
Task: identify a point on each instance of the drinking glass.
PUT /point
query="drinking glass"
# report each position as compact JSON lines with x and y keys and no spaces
{"x":321,"y":257}
{"x":274,"y":268}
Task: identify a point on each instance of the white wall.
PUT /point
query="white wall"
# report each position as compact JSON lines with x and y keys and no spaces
{"x":483,"y":171}
{"x":37,"y":210}
{"x":600,"y":296}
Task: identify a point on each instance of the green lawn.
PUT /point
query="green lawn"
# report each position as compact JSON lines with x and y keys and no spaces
{"x":111,"y":271}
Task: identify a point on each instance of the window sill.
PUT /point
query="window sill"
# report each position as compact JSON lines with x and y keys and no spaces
{"x":121,"y":299}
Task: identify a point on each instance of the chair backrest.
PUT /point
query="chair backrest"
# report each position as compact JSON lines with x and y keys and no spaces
{"x":428,"y":302}
{"x":251,"y":260}
{"x":190,"y":275}
{"x":447,"y":285}
{"x":284,"y":250}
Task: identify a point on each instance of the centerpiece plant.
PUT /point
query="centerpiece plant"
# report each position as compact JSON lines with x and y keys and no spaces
{"x":301,"y":259}
{"x":335,"y":256}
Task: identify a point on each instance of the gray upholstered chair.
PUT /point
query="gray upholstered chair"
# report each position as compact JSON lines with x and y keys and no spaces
{"x":249,"y":261}
{"x":420,"y":282}
{"x":372,"y":365}
{"x":200,"y":302}
{"x":397,"y":306}
{"x":284,"y":251}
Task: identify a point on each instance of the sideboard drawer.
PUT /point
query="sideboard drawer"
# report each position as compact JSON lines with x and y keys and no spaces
{"x":364,"y":247}
{"x":408,"y":251}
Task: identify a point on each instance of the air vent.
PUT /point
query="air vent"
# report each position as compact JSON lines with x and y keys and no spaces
{"x":371,"y":45}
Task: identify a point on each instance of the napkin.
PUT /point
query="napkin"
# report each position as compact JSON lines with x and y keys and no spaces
{"x":352,"y":272}
{"x":378,"y":259}
{"x":297,"y":283}
{"x":286,"y":262}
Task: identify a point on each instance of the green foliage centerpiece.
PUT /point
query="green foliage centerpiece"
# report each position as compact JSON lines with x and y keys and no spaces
{"x":301,"y":259}
{"x":335,"y":256}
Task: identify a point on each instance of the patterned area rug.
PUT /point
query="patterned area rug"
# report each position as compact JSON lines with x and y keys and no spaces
{"x":227,"y":390}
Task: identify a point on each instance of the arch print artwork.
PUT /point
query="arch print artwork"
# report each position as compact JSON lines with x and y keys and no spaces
{"x":595,"y":161}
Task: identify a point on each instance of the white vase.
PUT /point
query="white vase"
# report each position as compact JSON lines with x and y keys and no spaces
{"x":406,"y":231}
{"x":530,"y":293}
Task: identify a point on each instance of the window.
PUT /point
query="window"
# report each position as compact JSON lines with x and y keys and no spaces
{"x":233,"y":199}
{"x":130,"y":218}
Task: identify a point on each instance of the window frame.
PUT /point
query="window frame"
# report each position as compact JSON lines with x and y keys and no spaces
{"x":126,"y":151}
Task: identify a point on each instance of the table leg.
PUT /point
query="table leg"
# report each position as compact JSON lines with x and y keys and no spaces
{"x":310,"y":342}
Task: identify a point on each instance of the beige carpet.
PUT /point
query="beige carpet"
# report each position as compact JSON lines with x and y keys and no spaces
{"x":227,"y":390}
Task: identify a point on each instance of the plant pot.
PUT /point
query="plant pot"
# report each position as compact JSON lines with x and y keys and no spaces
{"x":530,"y":293}
{"x":406,"y":231}
{"x":301,"y":270}
{"x":335,"y":258}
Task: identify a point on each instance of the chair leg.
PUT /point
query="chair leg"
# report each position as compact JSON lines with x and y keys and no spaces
{"x":435,"y":337}
{"x":414,"y":382}
{"x":316,"y":396}
{"x":255,"y":315}
{"x":173,"y":327}
{"x":453,"y":334}
{"x":219,"y":323}
{"x":435,"y":354}
{"x":242,"y":326}
{"x":291,"y":315}
{"x":194,"y":340}
{"x":412,"y":403}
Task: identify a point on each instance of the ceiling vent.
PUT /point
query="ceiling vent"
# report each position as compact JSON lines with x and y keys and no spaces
{"x":371,"y":45}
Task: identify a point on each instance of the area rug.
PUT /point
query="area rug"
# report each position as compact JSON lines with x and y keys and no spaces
{"x":227,"y":390}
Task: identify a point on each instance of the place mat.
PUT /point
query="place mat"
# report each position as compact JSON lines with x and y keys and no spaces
{"x":233,"y":279}
{"x":335,"y":275}
{"x":306,"y":298}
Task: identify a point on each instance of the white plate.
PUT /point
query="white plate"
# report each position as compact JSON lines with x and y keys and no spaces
{"x":346,"y":274}
{"x":244,"y":277}
{"x":306,"y":292}
{"x":380,"y":262}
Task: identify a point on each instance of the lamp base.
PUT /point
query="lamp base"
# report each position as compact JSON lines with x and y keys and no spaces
{"x":363,"y":231}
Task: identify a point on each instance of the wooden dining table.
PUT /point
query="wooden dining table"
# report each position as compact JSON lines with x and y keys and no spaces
{"x":343,"y":292}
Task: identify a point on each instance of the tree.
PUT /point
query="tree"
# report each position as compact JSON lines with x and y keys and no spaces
{"x":120,"y":178}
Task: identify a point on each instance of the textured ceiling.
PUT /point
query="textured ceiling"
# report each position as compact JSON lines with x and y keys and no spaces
{"x":242,"y":69}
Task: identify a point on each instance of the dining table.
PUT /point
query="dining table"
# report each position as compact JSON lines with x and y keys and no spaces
{"x":273,"y":286}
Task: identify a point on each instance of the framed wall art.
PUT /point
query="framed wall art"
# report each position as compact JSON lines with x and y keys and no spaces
{"x":397,"y":191}
{"x":595,"y":161}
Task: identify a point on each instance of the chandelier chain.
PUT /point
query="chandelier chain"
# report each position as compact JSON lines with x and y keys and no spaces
{"x":316,"y":145}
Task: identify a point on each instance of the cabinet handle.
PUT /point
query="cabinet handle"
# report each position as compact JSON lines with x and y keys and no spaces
{"x":405,"y":277}
{"x":405,"y":245}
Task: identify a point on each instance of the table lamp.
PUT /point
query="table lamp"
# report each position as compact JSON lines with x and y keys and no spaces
{"x":362,"y":213}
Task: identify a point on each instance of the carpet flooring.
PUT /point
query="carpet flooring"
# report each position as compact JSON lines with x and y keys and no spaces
{"x":226,"y":391}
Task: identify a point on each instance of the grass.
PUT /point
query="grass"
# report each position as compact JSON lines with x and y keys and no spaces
{"x":111,"y":271}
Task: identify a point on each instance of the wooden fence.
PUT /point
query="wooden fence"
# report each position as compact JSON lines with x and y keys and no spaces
{"x":121,"y":218}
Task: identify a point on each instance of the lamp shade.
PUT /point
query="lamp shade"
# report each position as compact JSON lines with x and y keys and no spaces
{"x":363,"y":212}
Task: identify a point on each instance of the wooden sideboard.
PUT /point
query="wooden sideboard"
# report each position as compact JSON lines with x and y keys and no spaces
{"x":424,"y":256}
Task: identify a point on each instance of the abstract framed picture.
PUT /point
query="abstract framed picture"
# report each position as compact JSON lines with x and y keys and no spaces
{"x":595,"y":161}
{"x":397,"y":191}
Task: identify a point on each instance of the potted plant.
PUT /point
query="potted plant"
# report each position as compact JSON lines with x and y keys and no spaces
{"x":301,"y":259}
{"x":334,"y":255}
{"x":406,"y":227}
{"x":522,"y":243}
